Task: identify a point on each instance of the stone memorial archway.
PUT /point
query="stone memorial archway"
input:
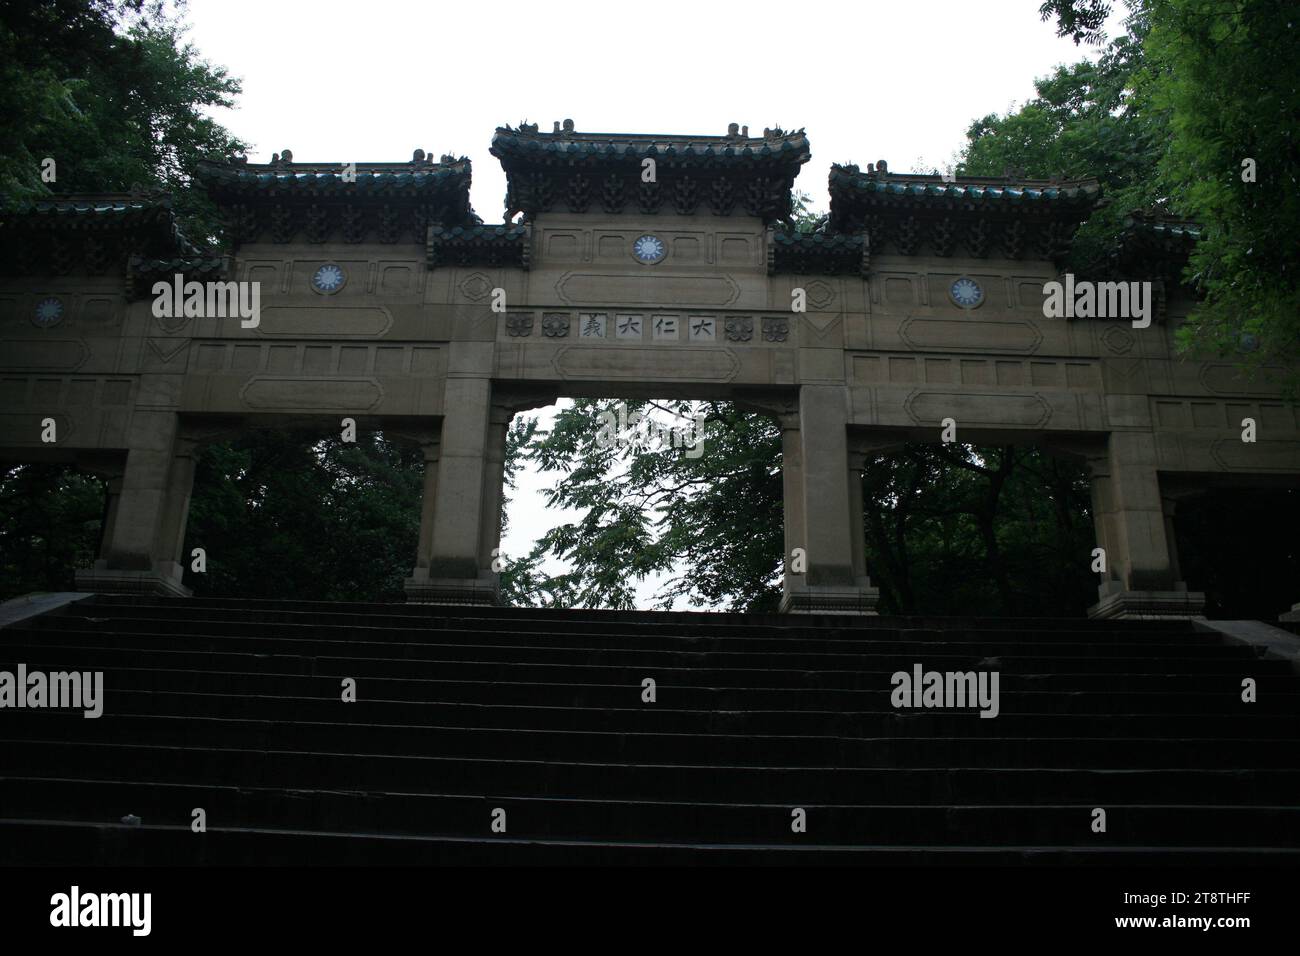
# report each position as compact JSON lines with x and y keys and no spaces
{"x":639,"y":264}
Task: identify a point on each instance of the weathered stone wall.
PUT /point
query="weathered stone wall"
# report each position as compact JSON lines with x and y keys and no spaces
{"x":418,"y":350}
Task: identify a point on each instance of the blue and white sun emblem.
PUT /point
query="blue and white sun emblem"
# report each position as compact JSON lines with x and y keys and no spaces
{"x":966,"y":293}
{"x":48,"y":312}
{"x":648,"y":249}
{"x":328,"y":279}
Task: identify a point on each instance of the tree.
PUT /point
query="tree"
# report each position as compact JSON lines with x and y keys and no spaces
{"x":656,"y":509}
{"x":51,"y":519}
{"x":114,"y":96}
{"x":289,"y":513}
{"x":962,"y":529}
{"x":1087,"y":121}
{"x":1212,"y":97}
{"x":1227,"y":75}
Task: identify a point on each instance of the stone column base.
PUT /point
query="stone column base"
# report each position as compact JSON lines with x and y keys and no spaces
{"x":104,"y":580}
{"x":831,"y":599}
{"x":484,"y":590}
{"x":1148,"y":605}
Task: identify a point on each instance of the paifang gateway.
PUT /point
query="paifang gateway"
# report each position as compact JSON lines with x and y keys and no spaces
{"x":377,"y":281}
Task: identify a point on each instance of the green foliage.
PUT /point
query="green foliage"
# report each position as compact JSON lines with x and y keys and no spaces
{"x":805,"y":218}
{"x":1080,"y":20}
{"x":961,"y":529}
{"x":954,"y":530}
{"x":718,"y":515}
{"x":50,"y":522}
{"x":285,"y":513}
{"x":1228,"y":77}
{"x":1086,"y":121}
{"x":1196,"y":88}
{"x":115,"y":96}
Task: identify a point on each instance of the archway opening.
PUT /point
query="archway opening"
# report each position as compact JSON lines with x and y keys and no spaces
{"x":987,"y":530}
{"x":300,"y":513}
{"x":1241,"y":546}
{"x":647,"y":503}
{"x":52,"y":519}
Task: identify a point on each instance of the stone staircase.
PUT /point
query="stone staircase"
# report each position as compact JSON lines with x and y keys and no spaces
{"x":235,"y":707}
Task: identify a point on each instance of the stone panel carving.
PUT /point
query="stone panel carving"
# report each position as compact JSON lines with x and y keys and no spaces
{"x":1233,"y":454}
{"x":346,"y":322}
{"x":1223,"y":379}
{"x":602,"y":362}
{"x":62,"y":354}
{"x":25,"y":429}
{"x":317,"y":393}
{"x":978,"y":408}
{"x":971,"y":335}
{"x":666,"y":291}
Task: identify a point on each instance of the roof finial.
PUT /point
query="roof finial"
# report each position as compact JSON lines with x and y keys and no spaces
{"x":417,"y":156}
{"x":568,"y":126}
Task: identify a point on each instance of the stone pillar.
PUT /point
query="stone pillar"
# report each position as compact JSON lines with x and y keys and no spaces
{"x":146,"y":520}
{"x":455,"y":573}
{"x":831,"y":584}
{"x":113,"y":492}
{"x":180,"y":487}
{"x":460,"y":521}
{"x":428,"y":499}
{"x":1129,"y":513}
{"x":792,"y":504}
{"x":1169,"y":506}
{"x":494,"y":479}
{"x":857,"y":524}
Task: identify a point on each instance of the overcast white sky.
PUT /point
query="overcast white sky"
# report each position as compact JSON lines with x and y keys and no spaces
{"x":351,"y":81}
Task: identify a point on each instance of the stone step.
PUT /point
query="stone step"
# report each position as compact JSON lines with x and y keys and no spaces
{"x":345,"y":740}
{"x":490,"y":663}
{"x":235,"y":706}
{"x":630,"y":715}
{"x":1279,"y":694}
{"x":626,"y":622}
{"x":653,"y":821}
{"x":605,"y":631}
{"x":59,"y":843}
{"x":241,"y":769}
{"x":367,"y":641}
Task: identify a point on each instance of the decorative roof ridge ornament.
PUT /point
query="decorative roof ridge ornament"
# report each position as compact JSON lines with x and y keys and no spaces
{"x":850,"y":174}
{"x":154,"y":192}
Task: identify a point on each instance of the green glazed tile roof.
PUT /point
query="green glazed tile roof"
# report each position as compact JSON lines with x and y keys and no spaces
{"x":527,"y":144}
{"x":328,"y":178}
{"x":490,"y":245}
{"x":148,"y":218}
{"x":818,"y":240}
{"x":848,"y":183}
{"x":500,"y":233}
{"x":1164,"y":228}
